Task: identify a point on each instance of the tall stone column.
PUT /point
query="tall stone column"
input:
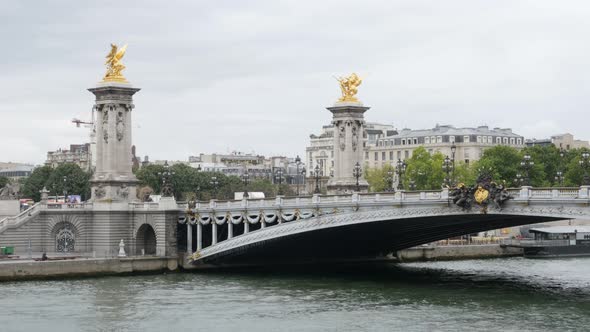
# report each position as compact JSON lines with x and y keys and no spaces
{"x":113,"y":179}
{"x":348,"y":120}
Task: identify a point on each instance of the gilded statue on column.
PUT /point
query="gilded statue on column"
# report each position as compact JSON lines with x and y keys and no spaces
{"x":114,"y":65}
{"x":349,"y":86}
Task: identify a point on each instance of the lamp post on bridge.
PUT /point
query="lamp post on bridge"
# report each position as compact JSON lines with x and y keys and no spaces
{"x":215,"y":183}
{"x":453,"y":150}
{"x":389,"y":180}
{"x":166,"y":175}
{"x":317,"y":173}
{"x":279,"y":180}
{"x":298,"y":175}
{"x":585,"y":164}
{"x":447,"y":168}
{"x":246,"y":179}
{"x":527,"y":164}
{"x":412,"y":185}
{"x":519,"y":180}
{"x":400,"y":170}
{"x":65,"y":190}
{"x":559,"y":174}
{"x":357,"y":172}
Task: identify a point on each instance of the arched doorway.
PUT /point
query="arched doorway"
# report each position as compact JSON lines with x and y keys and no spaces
{"x":65,"y":237}
{"x":146,"y":240}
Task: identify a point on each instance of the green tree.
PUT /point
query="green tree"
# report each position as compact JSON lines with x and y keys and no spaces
{"x":574,"y":173}
{"x":3,"y":181}
{"x":502,"y":161}
{"x":77,"y":181}
{"x":465,"y":172}
{"x":35,"y":182}
{"x":425,"y":170}
{"x":377,"y":178}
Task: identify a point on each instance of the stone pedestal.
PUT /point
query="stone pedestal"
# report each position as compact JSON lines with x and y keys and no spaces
{"x":113,"y":179}
{"x":348,"y":121}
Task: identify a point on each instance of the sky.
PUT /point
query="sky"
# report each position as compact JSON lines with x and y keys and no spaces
{"x":257,"y":76}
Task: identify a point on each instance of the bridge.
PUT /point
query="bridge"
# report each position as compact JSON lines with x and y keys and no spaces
{"x":355,"y":226}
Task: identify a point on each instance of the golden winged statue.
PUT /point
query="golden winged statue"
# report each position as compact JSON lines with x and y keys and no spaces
{"x":114,"y":65}
{"x":349,"y":86}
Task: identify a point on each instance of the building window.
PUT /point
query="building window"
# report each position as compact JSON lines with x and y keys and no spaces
{"x":498,"y":140}
{"x":403,"y":142}
{"x":512,"y":140}
{"x":452,"y":139}
{"x":390,"y":155}
{"x":490,"y":141}
{"x":465,"y":139}
{"x":415,"y":141}
{"x":406,"y":154}
{"x":506,"y":140}
{"x":427,"y":140}
{"x":433,"y":139}
{"x":478,"y":139}
{"x":376,"y":156}
{"x":383,"y":155}
{"x":519,"y":141}
{"x":399,"y":155}
{"x":466,"y":154}
{"x":438,"y":139}
{"x":367,"y":155}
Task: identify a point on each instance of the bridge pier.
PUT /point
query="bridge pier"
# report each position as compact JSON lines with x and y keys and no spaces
{"x":189,"y":238}
{"x":230,"y":229}
{"x":199,"y":236}
{"x":213,"y":233}
{"x":246,"y":227}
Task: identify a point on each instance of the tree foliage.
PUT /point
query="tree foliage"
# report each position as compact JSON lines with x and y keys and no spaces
{"x":3,"y":181}
{"x":77,"y":181}
{"x":188,"y":182}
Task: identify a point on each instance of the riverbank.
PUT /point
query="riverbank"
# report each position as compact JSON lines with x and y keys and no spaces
{"x":84,"y":267}
{"x":456,"y":252}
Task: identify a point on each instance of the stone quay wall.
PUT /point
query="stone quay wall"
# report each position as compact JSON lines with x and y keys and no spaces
{"x":456,"y":252}
{"x":32,"y":270}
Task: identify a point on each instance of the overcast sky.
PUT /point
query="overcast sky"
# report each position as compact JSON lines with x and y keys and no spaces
{"x":219,"y":76}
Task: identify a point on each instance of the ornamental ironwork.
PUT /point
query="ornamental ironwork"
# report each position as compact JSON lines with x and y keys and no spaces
{"x":65,"y":238}
{"x":482,"y":194}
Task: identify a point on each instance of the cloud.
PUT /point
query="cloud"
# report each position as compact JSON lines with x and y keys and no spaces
{"x":257,"y":76}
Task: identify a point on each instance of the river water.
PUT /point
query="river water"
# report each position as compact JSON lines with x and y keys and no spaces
{"x":514,"y":294}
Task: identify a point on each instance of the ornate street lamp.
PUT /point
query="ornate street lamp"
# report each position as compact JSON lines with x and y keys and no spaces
{"x":279,"y":179}
{"x":199,"y":168}
{"x":246,"y":179}
{"x":412,"y":185}
{"x":303,"y":174}
{"x":166,"y":176}
{"x":389,"y":179}
{"x":447,"y":168}
{"x":527,"y":164}
{"x":400,"y":169}
{"x":65,"y":190}
{"x":298,"y":176}
{"x":215,"y":183}
{"x":357,"y":172}
{"x":519,"y":180}
{"x":559,"y":174}
{"x":317,"y":174}
{"x":559,"y":178}
{"x":453,"y":150}
{"x":585,"y":164}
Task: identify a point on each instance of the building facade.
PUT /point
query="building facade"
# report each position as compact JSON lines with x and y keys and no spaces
{"x":563,"y":141}
{"x":78,"y":154}
{"x":320,"y":151}
{"x":469,"y":142}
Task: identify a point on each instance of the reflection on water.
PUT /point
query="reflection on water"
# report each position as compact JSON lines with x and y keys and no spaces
{"x":505,"y":294}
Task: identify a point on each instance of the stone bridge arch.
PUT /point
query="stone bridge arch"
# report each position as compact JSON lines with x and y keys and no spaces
{"x":65,"y":234}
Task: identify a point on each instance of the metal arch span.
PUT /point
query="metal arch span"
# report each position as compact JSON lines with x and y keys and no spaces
{"x":360,"y":227}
